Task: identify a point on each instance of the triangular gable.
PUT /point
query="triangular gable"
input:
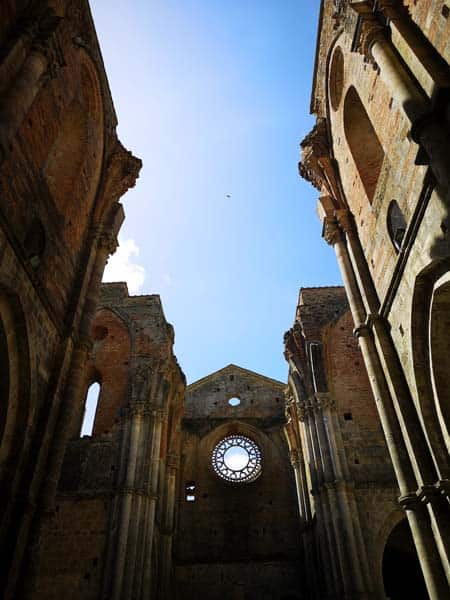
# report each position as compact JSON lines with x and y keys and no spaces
{"x":233,"y":369}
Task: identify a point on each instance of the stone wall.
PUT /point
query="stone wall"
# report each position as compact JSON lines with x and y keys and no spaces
{"x":379,"y":156}
{"x":236,"y":540}
{"x":107,"y":521}
{"x":62,"y":173}
{"x":345,"y":481}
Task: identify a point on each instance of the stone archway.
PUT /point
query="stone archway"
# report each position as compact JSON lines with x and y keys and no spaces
{"x":14,"y":386}
{"x":402,"y":575}
{"x":439,"y":336}
{"x":430,"y":351}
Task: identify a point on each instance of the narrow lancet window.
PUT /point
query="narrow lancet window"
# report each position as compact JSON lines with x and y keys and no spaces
{"x":90,"y":409}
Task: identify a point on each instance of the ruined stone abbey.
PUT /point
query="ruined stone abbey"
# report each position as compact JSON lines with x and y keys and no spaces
{"x":334,"y":484}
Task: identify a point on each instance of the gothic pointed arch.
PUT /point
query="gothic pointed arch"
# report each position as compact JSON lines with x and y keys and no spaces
{"x":14,"y":386}
{"x":429,"y":348}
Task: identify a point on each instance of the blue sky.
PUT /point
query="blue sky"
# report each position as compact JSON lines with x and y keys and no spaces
{"x":214,"y":95}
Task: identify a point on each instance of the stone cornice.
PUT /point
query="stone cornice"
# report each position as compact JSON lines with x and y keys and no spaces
{"x":314,"y":147}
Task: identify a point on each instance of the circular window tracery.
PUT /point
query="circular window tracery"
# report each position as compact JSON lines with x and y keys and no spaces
{"x":237,"y":459}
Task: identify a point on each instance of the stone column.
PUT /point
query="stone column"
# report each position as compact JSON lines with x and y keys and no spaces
{"x":159,"y":416}
{"x":344,"y":489}
{"x":104,"y":247}
{"x":430,"y":127}
{"x":423,"y":537}
{"x":349,"y":558}
{"x":173,"y":465}
{"x":18,"y":96}
{"x":298,"y":464}
{"x":127,"y":492}
{"x":326,"y":516}
{"x":406,"y":413}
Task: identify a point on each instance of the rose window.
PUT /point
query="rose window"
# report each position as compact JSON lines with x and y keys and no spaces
{"x":236,"y":458}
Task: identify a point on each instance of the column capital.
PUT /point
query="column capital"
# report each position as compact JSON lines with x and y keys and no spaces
{"x":173,"y":461}
{"x":370,"y":31}
{"x":296,"y":457}
{"x":346,"y":221}
{"x":332,"y":232}
{"x":301,"y":412}
{"x":325,"y":401}
{"x":159,"y":414}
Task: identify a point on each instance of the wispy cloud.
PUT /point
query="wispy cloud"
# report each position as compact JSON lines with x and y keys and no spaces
{"x":122,"y":266}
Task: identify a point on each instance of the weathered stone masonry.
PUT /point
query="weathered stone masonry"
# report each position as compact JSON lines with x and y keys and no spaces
{"x":62,"y":173}
{"x":112,"y":534}
{"x":379,"y":156}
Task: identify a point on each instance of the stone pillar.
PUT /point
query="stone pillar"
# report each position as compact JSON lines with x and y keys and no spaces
{"x":135,"y":414}
{"x":173,"y":465}
{"x":435,"y":67}
{"x":344,"y":489}
{"x":159,"y":416}
{"x":326,"y":516}
{"x":18,"y":95}
{"x":105,"y":246}
{"x":298,"y":464}
{"x":430,"y":128}
{"x":413,"y":434}
{"x":349,"y":555}
{"x":421,"y":530}
{"x":130,"y":565}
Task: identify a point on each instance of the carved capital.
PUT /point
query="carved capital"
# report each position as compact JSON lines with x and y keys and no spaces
{"x":346,"y":221}
{"x":173,"y":461}
{"x":371,"y":30}
{"x":45,"y":42}
{"x":296,"y":457}
{"x":137,"y":409}
{"x":159,"y":414}
{"x":302,"y":411}
{"x":331,"y":230}
{"x":340,"y":8}
{"x":325,"y":401}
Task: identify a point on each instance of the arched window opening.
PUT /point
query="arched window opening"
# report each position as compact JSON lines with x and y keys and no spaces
{"x":90,"y":409}
{"x":363,"y":142}
{"x":396,"y":224}
{"x":4,"y":379}
{"x":402,"y":575}
{"x":440,"y":355}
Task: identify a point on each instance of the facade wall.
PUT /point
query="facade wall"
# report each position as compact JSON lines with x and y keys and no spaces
{"x":62,"y":172}
{"x":345,"y":481}
{"x":117,"y":486}
{"x":236,"y":540}
{"x":379,"y":157}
